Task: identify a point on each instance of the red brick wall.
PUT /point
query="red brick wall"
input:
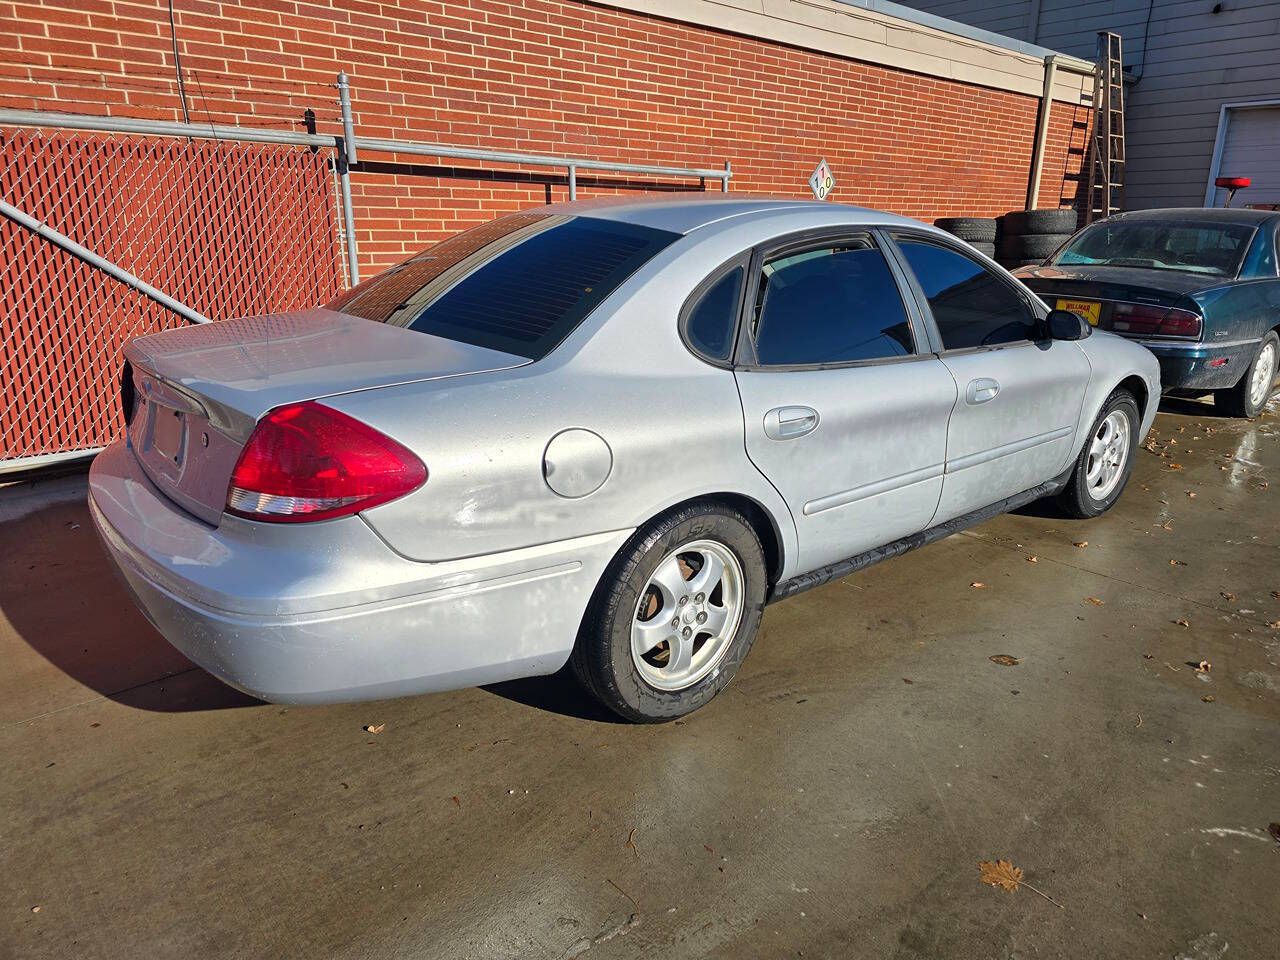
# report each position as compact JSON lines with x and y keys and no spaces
{"x":543,"y":75}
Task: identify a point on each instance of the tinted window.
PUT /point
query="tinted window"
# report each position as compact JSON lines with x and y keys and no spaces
{"x":519,"y":284}
{"x":709,"y":326}
{"x":1188,"y":246}
{"x":1260,"y":261}
{"x":971,"y":305}
{"x":832,"y":304}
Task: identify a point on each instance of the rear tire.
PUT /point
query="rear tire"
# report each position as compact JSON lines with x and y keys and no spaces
{"x":1106,"y":460}
{"x":676,"y":578}
{"x":1250,"y":395}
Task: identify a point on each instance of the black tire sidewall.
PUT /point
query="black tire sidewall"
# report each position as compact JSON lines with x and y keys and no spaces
{"x":1082,"y":500}
{"x":605,"y":642}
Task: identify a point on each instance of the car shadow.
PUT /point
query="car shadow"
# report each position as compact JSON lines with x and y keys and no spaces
{"x":558,"y":693}
{"x":1192,"y":407}
{"x":60,"y":596}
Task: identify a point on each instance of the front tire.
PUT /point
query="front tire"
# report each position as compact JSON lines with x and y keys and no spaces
{"x":1103,"y":467}
{"x":674,"y":615}
{"x":1250,"y":395}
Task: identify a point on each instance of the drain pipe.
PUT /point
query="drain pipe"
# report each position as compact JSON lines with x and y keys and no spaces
{"x":47,"y":232}
{"x":1042,"y":131}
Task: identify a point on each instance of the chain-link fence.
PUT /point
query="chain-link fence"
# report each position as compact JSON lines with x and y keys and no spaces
{"x":229,"y":229}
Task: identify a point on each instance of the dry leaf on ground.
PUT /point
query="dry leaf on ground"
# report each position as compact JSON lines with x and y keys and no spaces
{"x":375,"y":728}
{"x":1006,"y":876}
{"x":1095,"y":601}
{"x":1002,"y":874}
{"x":1005,"y":660}
{"x":631,"y":842}
{"x":1191,"y":494}
{"x":977,"y":584}
{"x":1177,"y":563}
{"x":1274,"y":624}
{"x":1081,"y":543}
{"x":1225,"y":595}
{"x":1209,"y":699}
{"x":1204,"y":666}
{"x":1182,"y":622}
{"x":1033,"y":559}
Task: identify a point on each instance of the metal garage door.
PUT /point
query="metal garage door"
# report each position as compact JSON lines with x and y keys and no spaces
{"x":1251,"y":148}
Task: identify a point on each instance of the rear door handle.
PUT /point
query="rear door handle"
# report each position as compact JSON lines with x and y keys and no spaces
{"x":787,"y":423}
{"x":982,"y":390}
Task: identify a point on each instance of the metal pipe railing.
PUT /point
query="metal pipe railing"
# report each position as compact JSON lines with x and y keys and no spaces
{"x":211,"y":131}
{"x":41,"y":229}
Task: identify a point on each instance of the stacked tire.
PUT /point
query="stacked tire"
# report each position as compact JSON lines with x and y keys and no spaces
{"x":1028,"y":237}
{"x":978,"y":232}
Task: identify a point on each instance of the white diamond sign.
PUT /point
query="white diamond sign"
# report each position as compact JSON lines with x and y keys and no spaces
{"x":822,"y":182}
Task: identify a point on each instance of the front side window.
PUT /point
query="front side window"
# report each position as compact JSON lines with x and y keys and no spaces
{"x":834,"y":303}
{"x":519,"y":284}
{"x":971,"y":305}
{"x":1215,"y":249}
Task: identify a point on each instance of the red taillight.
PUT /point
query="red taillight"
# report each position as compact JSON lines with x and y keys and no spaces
{"x":306,"y":461}
{"x":1159,"y":321}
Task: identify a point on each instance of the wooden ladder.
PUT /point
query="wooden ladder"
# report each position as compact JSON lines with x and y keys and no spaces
{"x":1106,"y":161}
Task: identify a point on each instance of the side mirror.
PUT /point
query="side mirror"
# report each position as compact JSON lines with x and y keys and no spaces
{"x":1065,"y":325}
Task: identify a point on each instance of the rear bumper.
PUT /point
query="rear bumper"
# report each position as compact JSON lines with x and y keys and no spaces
{"x":1201,"y":366}
{"x":327,"y":612}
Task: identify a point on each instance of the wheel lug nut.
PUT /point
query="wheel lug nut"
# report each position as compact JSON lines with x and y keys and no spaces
{"x":683,"y":601}
{"x":702,"y":618}
{"x":699,"y":598}
{"x":686,"y":632}
{"x":675,"y":621}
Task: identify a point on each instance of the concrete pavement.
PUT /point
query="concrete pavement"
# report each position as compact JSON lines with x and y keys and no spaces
{"x":834,"y":802}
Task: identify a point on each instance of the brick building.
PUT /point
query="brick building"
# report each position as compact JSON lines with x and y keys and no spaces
{"x":912,"y":117}
{"x":915,"y":114}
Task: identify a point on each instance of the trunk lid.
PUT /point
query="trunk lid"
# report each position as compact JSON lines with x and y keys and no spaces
{"x":1111,"y":285}
{"x":1107,"y":286}
{"x":192,"y":396}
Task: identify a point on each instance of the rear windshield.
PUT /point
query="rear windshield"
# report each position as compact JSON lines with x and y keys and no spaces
{"x":519,"y":284}
{"x":1188,"y":246}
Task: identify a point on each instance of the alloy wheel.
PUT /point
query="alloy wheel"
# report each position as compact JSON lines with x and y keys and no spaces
{"x":1108,"y":452}
{"x":687,"y":615}
{"x":1264,"y":374}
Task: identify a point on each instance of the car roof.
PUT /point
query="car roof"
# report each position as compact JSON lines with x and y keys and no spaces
{"x":684,"y":214}
{"x":1241,"y":216}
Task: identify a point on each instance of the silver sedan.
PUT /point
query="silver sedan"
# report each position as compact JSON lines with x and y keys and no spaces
{"x":602,"y":433}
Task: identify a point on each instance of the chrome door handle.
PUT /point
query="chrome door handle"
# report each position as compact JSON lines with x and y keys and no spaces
{"x":787,"y":423}
{"x":982,"y":390}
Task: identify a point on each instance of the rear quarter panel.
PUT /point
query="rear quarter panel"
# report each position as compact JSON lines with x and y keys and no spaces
{"x":1243,"y":310}
{"x":672,"y":422}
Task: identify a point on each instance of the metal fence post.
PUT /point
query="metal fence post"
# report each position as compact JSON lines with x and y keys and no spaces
{"x":573,"y":182}
{"x":344,"y":161}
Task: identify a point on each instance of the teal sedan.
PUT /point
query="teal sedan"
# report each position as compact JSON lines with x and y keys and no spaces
{"x":1199,"y":288}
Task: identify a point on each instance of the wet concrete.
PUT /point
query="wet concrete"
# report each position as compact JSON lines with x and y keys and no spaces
{"x":834,"y":802}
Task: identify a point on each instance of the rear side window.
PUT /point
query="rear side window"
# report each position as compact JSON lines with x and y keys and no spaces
{"x":971,"y":305}
{"x":519,"y":284}
{"x":836,"y":303}
{"x":709,"y":323}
